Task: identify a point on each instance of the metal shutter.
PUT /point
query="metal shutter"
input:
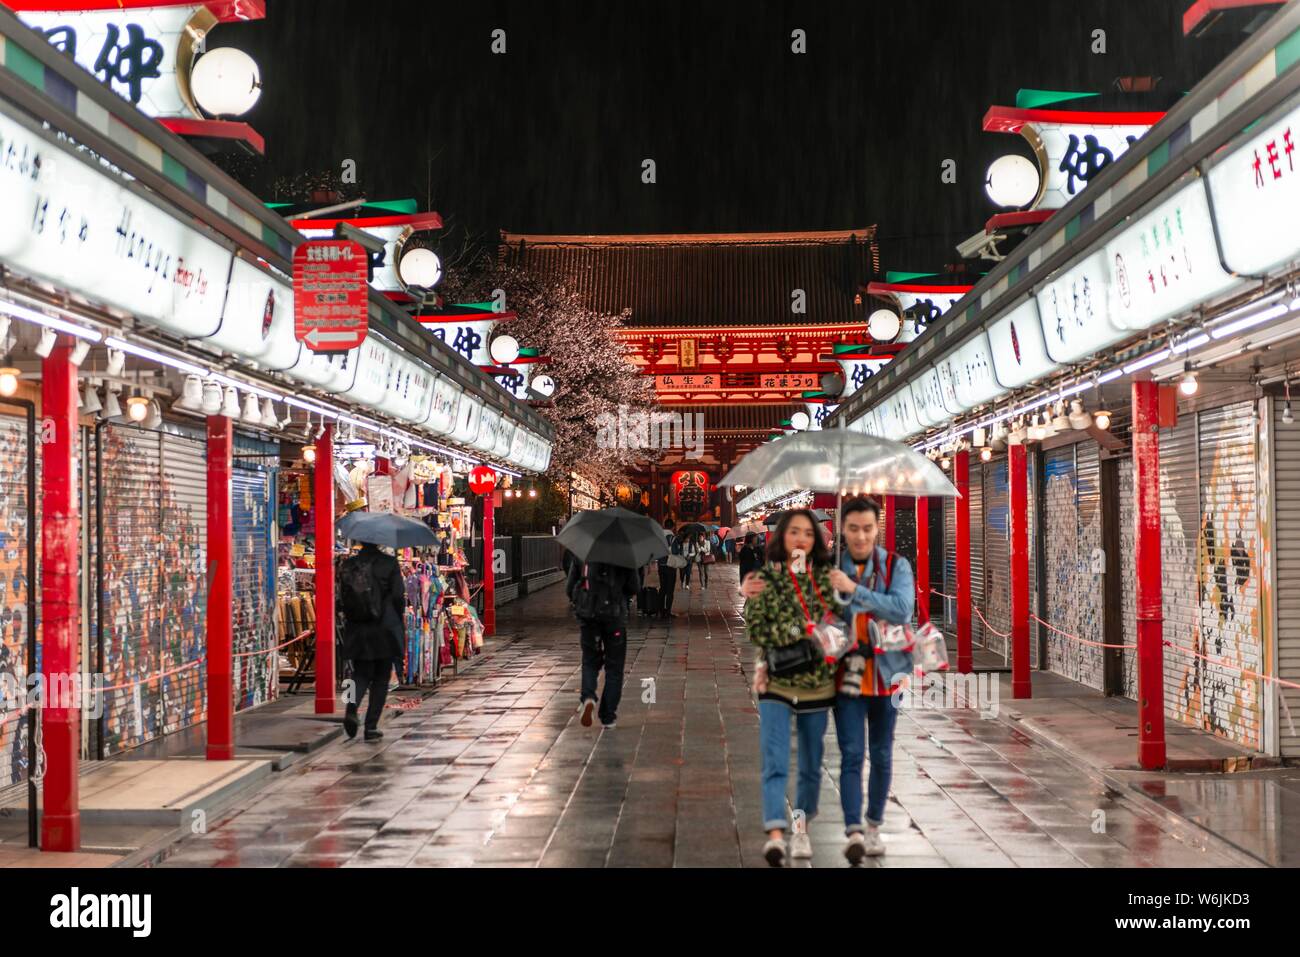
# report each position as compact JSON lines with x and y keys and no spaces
{"x":154,"y":584}
{"x":1128,"y":567}
{"x":997,"y":557}
{"x":257,"y":671}
{"x":949,"y":579}
{"x":977,"y":589}
{"x":1073,"y":530}
{"x":14,"y":513}
{"x":1230,"y":703}
{"x":1180,"y":524}
{"x":905,"y":529}
{"x":1286,"y":536}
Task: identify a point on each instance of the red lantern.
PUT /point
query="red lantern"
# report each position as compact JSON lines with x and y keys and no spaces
{"x":482,"y":480}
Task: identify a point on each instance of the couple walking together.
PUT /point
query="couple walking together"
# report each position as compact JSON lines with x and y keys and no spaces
{"x":793,"y":591}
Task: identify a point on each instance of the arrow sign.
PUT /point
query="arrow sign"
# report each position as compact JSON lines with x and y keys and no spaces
{"x":330,"y":311}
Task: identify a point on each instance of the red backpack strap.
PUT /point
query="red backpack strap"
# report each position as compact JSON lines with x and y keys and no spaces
{"x":889,"y":568}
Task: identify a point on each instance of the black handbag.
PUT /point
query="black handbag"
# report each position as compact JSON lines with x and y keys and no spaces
{"x":793,"y":659}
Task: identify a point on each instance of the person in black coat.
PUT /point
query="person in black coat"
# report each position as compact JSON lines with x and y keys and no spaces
{"x":751,"y":556}
{"x":603,"y":640}
{"x":374,"y":646}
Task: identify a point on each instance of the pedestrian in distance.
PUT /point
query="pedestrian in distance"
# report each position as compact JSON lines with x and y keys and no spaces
{"x":668,"y":570}
{"x":599,"y":594}
{"x":372,"y":597}
{"x":750,"y":557}
{"x":791,"y":675}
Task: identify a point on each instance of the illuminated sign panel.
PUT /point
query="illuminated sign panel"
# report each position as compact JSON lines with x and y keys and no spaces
{"x":1256,"y":193}
{"x":1019,"y":352}
{"x":1075,"y":311}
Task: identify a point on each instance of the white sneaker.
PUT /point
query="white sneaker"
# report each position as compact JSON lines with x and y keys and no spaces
{"x":774,"y":852}
{"x":856,"y":849}
{"x":585,"y":709}
{"x":873,"y":845}
{"x":800,"y":846}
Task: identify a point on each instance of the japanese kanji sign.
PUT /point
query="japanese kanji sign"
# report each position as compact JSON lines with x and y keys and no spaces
{"x":329,"y":295}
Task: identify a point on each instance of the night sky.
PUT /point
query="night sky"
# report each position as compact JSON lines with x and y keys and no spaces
{"x":746,"y":135}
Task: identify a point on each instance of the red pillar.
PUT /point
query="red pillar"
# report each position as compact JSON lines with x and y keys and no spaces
{"x":324,"y":495}
{"x":60,"y":601}
{"x":922,"y":559}
{"x":961,"y":471}
{"x":221,"y":550}
{"x":889,"y":523}
{"x":1018,"y":517}
{"x":489,"y":578}
{"x":1150,"y":614}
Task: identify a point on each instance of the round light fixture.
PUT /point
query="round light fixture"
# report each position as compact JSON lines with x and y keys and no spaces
{"x":884,"y":325}
{"x":309,"y":454}
{"x":986,"y":454}
{"x":1101,"y":419}
{"x":532,"y":493}
{"x":800,"y":421}
{"x":137,"y":408}
{"x":543,"y":385}
{"x":9,"y":380}
{"x":1188,"y":385}
{"x":420,"y":267}
{"x":226,"y":82}
{"x":1012,"y":180}
{"x":945,"y":463}
{"x":504,"y":350}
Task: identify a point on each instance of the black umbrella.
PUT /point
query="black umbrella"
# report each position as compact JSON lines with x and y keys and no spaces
{"x":692,"y":528}
{"x":820,"y":514}
{"x":613,"y":536}
{"x":382,"y":528}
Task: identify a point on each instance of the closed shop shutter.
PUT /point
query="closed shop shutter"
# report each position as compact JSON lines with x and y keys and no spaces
{"x":977,"y":590}
{"x":905,"y":529}
{"x":1286,"y":536}
{"x":949,"y":578}
{"x":254,"y":634}
{"x":14,"y":513}
{"x":1128,"y":566}
{"x":997,"y":558}
{"x":154,"y":584}
{"x":1073,"y":530}
{"x":1217,"y":695}
{"x":1180,"y":524}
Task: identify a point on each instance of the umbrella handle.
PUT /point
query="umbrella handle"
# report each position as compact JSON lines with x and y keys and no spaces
{"x":842,"y":602}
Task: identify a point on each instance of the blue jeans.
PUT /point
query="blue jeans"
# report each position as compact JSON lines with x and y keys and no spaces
{"x":874,"y":715}
{"x":774,"y":737}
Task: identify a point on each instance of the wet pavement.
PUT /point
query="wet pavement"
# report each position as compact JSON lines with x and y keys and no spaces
{"x":494,"y":769}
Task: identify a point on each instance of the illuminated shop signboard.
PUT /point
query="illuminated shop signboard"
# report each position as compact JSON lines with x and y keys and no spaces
{"x":1019,"y":352}
{"x":1256,"y":193}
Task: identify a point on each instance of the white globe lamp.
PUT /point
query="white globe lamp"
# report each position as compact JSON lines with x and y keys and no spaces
{"x":1012,"y":181}
{"x":884,"y":325}
{"x":420,"y":267}
{"x":226,"y":82}
{"x":504,"y":350}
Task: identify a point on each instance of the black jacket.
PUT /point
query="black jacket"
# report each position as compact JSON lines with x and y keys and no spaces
{"x":626,"y":579}
{"x":384,"y":639}
{"x":751,"y":557}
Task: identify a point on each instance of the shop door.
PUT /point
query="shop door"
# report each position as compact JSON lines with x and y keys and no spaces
{"x":1286,"y":536}
{"x":1071,"y":544}
{"x":14,"y":515}
{"x":254,"y":632}
{"x":153,"y":585}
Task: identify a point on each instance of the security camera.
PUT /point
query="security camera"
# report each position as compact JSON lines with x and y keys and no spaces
{"x":981,"y":246}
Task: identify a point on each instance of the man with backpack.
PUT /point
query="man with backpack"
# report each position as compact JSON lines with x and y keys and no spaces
{"x":668,"y":566}
{"x":372,"y":597}
{"x":599,"y":594}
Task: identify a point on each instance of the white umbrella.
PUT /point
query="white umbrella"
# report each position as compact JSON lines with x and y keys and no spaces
{"x":841,"y":461}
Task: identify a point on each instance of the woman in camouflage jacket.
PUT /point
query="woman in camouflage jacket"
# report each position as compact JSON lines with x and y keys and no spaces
{"x":776,"y":617}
